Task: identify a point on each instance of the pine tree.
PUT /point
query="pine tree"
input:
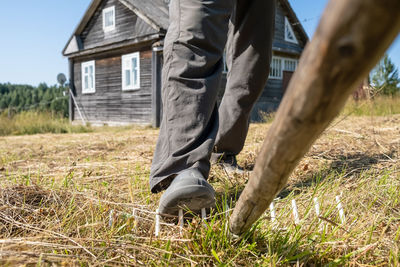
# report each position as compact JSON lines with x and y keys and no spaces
{"x":14,"y":99}
{"x":3,"y":103}
{"x":385,"y":77}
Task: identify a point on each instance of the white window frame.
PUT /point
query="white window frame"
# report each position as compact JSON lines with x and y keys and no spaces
{"x":129,"y":67}
{"x":275,"y":74}
{"x":283,"y":61}
{"x":292,"y":62}
{"x":289,"y":31}
{"x":110,"y":27}
{"x":91,"y":88}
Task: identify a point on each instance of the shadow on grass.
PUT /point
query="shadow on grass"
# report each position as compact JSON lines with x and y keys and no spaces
{"x":344,"y":165}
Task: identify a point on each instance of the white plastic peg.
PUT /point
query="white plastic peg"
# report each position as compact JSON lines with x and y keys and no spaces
{"x":203,"y":216}
{"x":295,"y":212}
{"x":340,"y":209}
{"x":157,"y":227}
{"x":272,"y":211}
{"x":111,"y":218}
{"x":316,"y":205}
{"x":180,"y":219}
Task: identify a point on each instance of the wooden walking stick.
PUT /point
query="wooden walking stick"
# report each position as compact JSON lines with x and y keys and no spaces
{"x":350,"y":40}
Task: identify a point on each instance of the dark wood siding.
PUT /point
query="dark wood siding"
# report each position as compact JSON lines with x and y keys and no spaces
{"x":109,"y":103}
{"x":279,"y":38}
{"x":127,"y":26}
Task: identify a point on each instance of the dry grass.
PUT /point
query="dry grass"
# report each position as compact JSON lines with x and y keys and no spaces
{"x":34,"y":122}
{"x":57,"y":192}
{"x":377,"y":106}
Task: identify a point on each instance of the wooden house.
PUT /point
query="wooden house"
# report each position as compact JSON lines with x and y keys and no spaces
{"x":115,"y":60}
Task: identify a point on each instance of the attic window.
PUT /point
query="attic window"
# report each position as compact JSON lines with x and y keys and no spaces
{"x":289,"y":33}
{"x":109,"y":19}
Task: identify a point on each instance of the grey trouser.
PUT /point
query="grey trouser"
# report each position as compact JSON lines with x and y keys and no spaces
{"x":192,"y":125}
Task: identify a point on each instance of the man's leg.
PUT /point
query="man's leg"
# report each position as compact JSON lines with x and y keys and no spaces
{"x":191,"y":75}
{"x":251,"y":32}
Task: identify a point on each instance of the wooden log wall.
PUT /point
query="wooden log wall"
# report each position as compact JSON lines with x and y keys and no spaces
{"x":109,"y":103}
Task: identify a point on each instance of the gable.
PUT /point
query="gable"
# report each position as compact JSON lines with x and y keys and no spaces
{"x":137,"y":20}
{"x":287,"y":37}
{"x":73,"y":46}
{"x":154,"y":12}
{"x":127,"y":26}
{"x":288,"y":11}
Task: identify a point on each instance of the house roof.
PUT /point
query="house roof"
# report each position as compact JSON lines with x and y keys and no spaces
{"x":155,"y":13}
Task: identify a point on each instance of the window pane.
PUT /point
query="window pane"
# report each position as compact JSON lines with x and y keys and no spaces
{"x":86,"y":82}
{"x":134,"y":63}
{"x":91,"y":82}
{"x":134,"y":71}
{"x":127,"y":77}
{"x":135,"y":78}
{"x":127,"y":64}
{"x":109,"y":18}
{"x":289,"y":35}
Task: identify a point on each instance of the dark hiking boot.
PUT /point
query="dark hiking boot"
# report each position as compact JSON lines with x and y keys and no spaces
{"x":228,"y":163}
{"x":189,"y":191}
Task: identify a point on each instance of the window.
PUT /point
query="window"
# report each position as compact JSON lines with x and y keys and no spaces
{"x":88,"y":77}
{"x":280,"y":64}
{"x":131,"y":71}
{"x":109,"y":19}
{"x":290,"y":64}
{"x":276,"y":68}
{"x":289,"y":34}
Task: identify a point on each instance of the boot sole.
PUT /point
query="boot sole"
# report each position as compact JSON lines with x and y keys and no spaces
{"x":192,"y":198}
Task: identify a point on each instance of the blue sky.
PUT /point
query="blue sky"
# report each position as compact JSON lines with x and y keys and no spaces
{"x":37,"y":31}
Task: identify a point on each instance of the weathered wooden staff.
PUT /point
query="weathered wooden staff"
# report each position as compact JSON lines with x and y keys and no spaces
{"x":350,"y":40}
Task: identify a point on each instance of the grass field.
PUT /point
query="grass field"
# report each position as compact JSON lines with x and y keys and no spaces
{"x":57,"y":192}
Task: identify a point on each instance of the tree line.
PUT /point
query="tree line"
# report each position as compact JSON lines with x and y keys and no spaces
{"x":15,"y":98}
